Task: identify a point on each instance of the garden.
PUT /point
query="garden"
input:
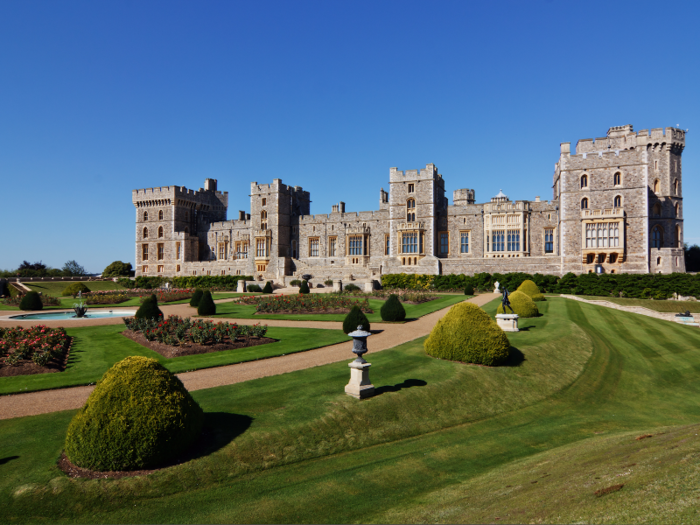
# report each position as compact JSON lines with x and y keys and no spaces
{"x":32,"y":350}
{"x":304,"y":304}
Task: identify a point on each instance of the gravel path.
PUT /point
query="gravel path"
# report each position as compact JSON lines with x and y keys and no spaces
{"x":388,"y":336}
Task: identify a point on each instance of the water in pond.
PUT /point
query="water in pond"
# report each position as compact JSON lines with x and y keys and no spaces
{"x":70,"y":316}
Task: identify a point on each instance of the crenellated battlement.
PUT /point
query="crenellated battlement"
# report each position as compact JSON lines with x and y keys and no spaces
{"x":624,"y":138}
{"x":430,"y":172}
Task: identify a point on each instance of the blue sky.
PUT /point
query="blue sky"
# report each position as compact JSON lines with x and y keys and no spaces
{"x":99,"y":98}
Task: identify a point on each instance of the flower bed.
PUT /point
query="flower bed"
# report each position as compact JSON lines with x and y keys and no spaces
{"x":405,"y":296}
{"x":300,"y":304}
{"x":46,"y":300}
{"x":100,"y":298}
{"x":32,"y":350}
{"x":170,"y":296}
{"x":176,"y":336}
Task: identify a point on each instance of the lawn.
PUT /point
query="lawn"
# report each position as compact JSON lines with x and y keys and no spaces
{"x":96,"y":348}
{"x":442,"y":442}
{"x":659,"y":306}
{"x":56,"y":287}
{"x":233,"y":310}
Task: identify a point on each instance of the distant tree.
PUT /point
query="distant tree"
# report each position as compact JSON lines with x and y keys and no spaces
{"x":692,"y":258}
{"x":37,"y":266}
{"x":72,"y":268}
{"x":117,"y":269}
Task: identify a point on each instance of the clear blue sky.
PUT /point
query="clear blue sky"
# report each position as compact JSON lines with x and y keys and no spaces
{"x":99,"y":98}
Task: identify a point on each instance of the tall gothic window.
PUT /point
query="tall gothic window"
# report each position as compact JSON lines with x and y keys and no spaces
{"x":145,"y":233}
{"x":678,"y":210}
{"x":355,"y":245}
{"x":549,"y":240}
{"x":675,"y":187}
{"x":584,"y":181}
{"x":409,"y":242}
{"x":657,"y":237}
{"x":499,"y":237}
{"x":657,"y":186}
{"x":411,"y":210}
{"x":617,"y":178}
{"x":464,"y":242}
{"x":145,"y":216}
{"x":160,"y":232}
{"x":160,"y":215}
{"x":584,"y":204}
{"x":617,"y":202}
{"x":263,"y":220}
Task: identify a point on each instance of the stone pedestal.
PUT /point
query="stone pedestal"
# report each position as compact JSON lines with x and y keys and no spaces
{"x":359,"y":385}
{"x":508,"y":322}
{"x":369,"y":287}
{"x":240,"y":286}
{"x":337,"y":285}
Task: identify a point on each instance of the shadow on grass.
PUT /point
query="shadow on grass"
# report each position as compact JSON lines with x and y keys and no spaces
{"x":408,"y":383}
{"x":8,"y":459}
{"x":220,"y":428}
{"x":515,"y":358}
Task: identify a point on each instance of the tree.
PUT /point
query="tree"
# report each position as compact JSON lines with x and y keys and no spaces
{"x":72,"y":268}
{"x":37,"y":266}
{"x":117,"y":269}
{"x":692,"y":258}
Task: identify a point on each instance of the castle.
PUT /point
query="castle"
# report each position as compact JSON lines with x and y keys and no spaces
{"x":616,"y":207}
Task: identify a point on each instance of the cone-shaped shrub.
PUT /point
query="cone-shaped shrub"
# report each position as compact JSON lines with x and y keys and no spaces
{"x":73,"y":289}
{"x":530,"y":288}
{"x":469,"y":290}
{"x":149,"y":309}
{"x":31,"y":301}
{"x":139,"y":416}
{"x":196,"y":297}
{"x":206,"y":305}
{"x":521,"y":305}
{"x":392,"y":309}
{"x":468,"y":334}
{"x":354,"y":319}
{"x":304,"y":288}
{"x":268,"y":287}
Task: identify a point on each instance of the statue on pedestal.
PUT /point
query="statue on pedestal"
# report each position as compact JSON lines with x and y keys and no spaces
{"x":505,"y":302}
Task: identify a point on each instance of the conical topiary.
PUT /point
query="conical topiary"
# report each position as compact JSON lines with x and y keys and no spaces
{"x":392,"y":309}
{"x":468,"y":334}
{"x":196,"y":297}
{"x":206,"y":305}
{"x":469,"y":290}
{"x":354,"y":319}
{"x":31,"y":301}
{"x":149,"y":309}
{"x":529,"y":287}
{"x":268,"y":287}
{"x":138,"y":416}
{"x":304,"y":288}
{"x":521,"y":305}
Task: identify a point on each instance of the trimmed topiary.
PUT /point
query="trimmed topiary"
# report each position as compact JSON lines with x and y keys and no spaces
{"x":253,"y":288}
{"x":149,"y":309}
{"x":196,"y":297}
{"x":31,"y":301}
{"x":206,"y":305}
{"x":268,"y":287}
{"x":530,"y":288}
{"x":351,"y":288}
{"x":73,"y":289}
{"x":468,"y":334}
{"x":139,"y":416}
{"x":295,"y":282}
{"x":392,"y":309}
{"x":469,"y":290}
{"x":521,"y":305}
{"x":354,"y":319}
{"x":304,"y":288}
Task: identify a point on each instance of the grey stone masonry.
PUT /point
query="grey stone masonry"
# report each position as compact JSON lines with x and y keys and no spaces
{"x":617,"y":206}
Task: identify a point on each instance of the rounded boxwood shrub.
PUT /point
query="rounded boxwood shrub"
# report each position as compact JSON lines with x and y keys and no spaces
{"x":149,"y":309}
{"x":304,"y":288}
{"x":253,"y":288}
{"x":468,"y":334}
{"x":139,"y":416}
{"x":328,"y":282}
{"x":392,"y":309}
{"x":521,"y":305}
{"x":73,"y":289}
{"x":469,"y":290}
{"x":267,"y":288}
{"x":206,"y":305}
{"x":351,"y":288}
{"x":354,"y":319}
{"x":295,"y":282}
{"x":530,"y":288}
{"x":196,"y":297}
{"x":31,"y":301}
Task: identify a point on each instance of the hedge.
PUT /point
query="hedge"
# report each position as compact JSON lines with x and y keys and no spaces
{"x":521,"y":304}
{"x":228,"y":282}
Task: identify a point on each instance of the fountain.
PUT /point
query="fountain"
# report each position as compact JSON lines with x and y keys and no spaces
{"x":80,"y":307}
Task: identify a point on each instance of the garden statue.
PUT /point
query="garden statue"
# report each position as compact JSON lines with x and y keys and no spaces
{"x":495,"y":287}
{"x":505,"y":302}
{"x":79,"y":307}
{"x":359,"y":385}
{"x":508,"y":322}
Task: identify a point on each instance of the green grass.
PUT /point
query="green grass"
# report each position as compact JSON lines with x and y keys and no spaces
{"x":659,"y":306}
{"x":440,"y":443}
{"x":96,"y":348}
{"x":56,"y":287}
{"x":413,"y":311}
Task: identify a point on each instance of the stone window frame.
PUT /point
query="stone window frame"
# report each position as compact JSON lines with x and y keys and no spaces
{"x":411,"y":187}
{"x":178,"y":251}
{"x":468,"y":234}
{"x":264,"y":201}
{"x":617,"y":178}
{"x":222,"y":251}
{"x":553,"y":241}
{"x":261,"y":241}
{"x":145,"y":216}
{"x":617,"y":201}
{"x":657,"y":210}
{"x":177,"y":269}
{"x":160,"y":215}
{"x":161,"y":232}
{"x":333,"y":246}
{"x":677,"y":209}
{"x":679,"y":236}
{"x":144,"y":268}
{"x":160,"y":268}
{"x":160,"y":251}
{"x":420,"y":239}
{"x":144,"y":252}
{"x":584,"y":203}
{"x":351,"y":240}
{"x":411,"y":210}
{"x":657,"y":236}
{"x":656,"y":186}
{"x":241,"y":247}
{"x":144,"y":234}
{"x":444,"y":235}
{"x":675,"y":186}
{"x":314,"y":246}
{"x":263,"y":220}
{"x":387,"y":244}
{"x":294,"y":249}
{"x":584,"y":181}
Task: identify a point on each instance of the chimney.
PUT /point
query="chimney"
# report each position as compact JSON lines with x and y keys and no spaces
{"x":335,"y":208}
{"x":247,"y":216}
{"x":342,"y":207}
{"x":241,"y":215}
{"x":537,"y":199}
{"x":210,"y":184}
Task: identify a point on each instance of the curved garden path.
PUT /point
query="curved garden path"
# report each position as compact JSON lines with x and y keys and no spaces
{"x":387,"y":336}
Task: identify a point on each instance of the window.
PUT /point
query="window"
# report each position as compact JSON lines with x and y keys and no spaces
{"x":260,"y":248}
{"x":145,"y":233}
{"x":464,"y":242}
{"x":589,"y":259}
{"x":584,"y":181}
{"x":386,"y":244}
{"x":222,"y":250}
{"x":161,"y":251}
{"x":178,"y":268}
{"x":160,"y":215}
{"x":584,"y":204}
{"x":145,"y":216}
{"x":355,"y":245}
{"x":603,"y":235}
{"x":617,"y":178}
{"x":187,"y":230}
{"x":679,"y":240}
{"x":513,"y":240}
{"x":144,"y":252}
{"x":656,"y":164}
{"x":294,"y":249}
{"x":498,"y":237}
{"x":657,"y":210}
{"x":263,"y":220}
{"x":313,"y":247}
{"x":617,"y":202}
{"x":657,"y":186}
{"x":160,"y":268}
{"x":409,"y":242}
{"x":411,"y":188}
{"x":444,"y":243}
{"x":160,"y":232}
{"x":144,"y":269}
{"x":178,"y":251}
{"x":264,"y":201}
{"x":411,"y":210}
{"x":332,"y":247}
{"x":549,"y":240}
{"x":678,"y":211}
{"x":675,"y":187}
{"x":657,"y":237}
{"x":613,"y":258}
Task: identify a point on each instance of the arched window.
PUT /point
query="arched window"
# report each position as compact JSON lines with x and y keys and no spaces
{"x":617,"y":178}
{"x":411,"y":210}
{"x":657,"y":237}
{"x":675,"y":187}
{"x":657,"y":186}
{"x":160,"y":232}
{"x":145,"y":233}
{"x":145,"y":216}
{"x":263,"y":220}
{"x":678,"y":211}
{"x":160,"y":215}
{"x":584,"y":204}
{"x":584,"y":181}
{"x":617,"y":202}
{"x":679,"y":237}
{"x":657,"y":209}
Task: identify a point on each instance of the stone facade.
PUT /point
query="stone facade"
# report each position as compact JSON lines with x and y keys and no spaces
{"x":617,"y":207}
